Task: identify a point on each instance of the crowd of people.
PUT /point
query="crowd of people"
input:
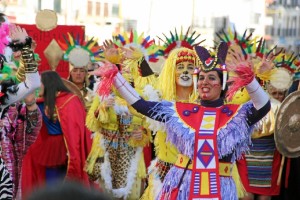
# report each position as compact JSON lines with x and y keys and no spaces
{"x":202,"y":127}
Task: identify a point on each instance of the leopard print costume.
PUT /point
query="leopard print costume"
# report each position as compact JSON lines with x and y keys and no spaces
{"x":120,"y":162}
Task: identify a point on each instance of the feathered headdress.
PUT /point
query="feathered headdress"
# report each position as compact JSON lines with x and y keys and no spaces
{"x":145,"y":45}
{"x":187,"y":40}
{"x":79,"y":52}
{"x":285,"y":69}
{"x":231,"y":37}
{"x":214,"y":62}
{"x":144,"y":48}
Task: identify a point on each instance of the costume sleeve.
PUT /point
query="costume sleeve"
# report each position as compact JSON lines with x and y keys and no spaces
{"x":261,"y":102}
{"x":255,"y":115}
{"x":33,"y":126}
{"x":258,"y":96}
{"x":32,"y":78}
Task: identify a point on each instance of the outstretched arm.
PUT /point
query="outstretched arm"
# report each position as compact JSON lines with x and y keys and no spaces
{"x":132,"y":97}
{"x":21,"y":42}
{"x":245,"y":76}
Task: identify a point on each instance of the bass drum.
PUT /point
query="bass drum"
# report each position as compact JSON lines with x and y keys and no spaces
{"x":287,"y":126}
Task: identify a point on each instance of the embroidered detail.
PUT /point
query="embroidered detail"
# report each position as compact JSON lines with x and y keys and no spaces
{"x":195,"y":109}
{"x":188,"y":112}
{"x":226,"y":110}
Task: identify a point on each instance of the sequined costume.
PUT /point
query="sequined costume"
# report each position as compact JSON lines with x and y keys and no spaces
{"x":20,"y":126}
{"x":19,"y":132}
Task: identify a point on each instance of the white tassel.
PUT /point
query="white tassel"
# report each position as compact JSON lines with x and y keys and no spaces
{"x":224,"y":76}
{"x":195,"y":79}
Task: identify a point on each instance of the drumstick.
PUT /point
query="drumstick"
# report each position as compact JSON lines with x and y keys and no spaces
{"x":280,"y":170}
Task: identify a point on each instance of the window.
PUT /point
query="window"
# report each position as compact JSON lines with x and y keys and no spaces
{"x":39,"y":7}
{"x":15,"y":2}
{"x":57,"y":6}
{"x":90,"y":8}
{"x":98,"y":8}
{"x":105,"y":9}
{"x":115,"y":10}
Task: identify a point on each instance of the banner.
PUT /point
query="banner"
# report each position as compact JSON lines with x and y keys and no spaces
{"x":43,"y":39}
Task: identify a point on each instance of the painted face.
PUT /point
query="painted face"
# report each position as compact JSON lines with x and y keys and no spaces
{"x":78,"y":75}
{"x":184,"y":74}
{"x":209,"y":85}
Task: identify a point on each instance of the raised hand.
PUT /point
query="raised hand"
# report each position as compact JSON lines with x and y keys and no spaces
{"x":112,"y":53}
{"x":16,"y":33}
{"x":130,"y":53}
{"x":137,"y":134}
{"x":238,"y":59}
{"x":266,"y":63}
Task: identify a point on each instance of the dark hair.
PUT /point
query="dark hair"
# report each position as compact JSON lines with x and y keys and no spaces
{"x":2,"y":18}
{"x":52,"y":85}
{"x":223,"y":92}
{"x":8,"y":85}
{"x":67,"y":191}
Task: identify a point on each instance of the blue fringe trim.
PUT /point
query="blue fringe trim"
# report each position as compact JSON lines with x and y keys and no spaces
{"x":177,"y":132}
{"x":235,"y":137}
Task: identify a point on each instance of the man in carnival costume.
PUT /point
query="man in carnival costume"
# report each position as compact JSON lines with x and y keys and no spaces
{"x":116,"y":159}
{"x":20,"y":123}
{"x":175,"y":83}
{"x":81,"y":57}
{"x":209,"y":137}
{"x":287,"y":137}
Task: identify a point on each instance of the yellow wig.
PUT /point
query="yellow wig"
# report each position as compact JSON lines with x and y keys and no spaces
{"x":166,"y":80}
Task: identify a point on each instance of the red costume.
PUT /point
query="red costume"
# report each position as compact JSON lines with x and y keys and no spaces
{"x":73,"y":145}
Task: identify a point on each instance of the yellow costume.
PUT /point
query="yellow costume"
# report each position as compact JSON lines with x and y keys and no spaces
{"x":166,"y":153}
{"x":119,"y":155}
{"x":116,"y":158}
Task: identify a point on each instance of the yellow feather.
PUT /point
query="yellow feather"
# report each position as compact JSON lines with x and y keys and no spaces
{"x":141,"y":38}
{"x":125,"y":35}
{"x":92,"y":122}
{"x":96,"y":152}
{"x":92,"y":44}
{"x":71,"y":39}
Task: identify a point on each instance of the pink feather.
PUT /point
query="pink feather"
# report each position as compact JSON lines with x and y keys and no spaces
{"x":4,"y":32}
{"x":244,"y":76}
{"x":107,"y":72}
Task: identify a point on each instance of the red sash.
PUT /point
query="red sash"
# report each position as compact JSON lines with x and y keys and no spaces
{"x":205,"y":183}
{"x":205,"y":174}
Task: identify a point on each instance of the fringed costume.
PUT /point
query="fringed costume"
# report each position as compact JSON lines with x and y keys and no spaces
{"x":209,"y":137}
{"x":177,"y":49}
